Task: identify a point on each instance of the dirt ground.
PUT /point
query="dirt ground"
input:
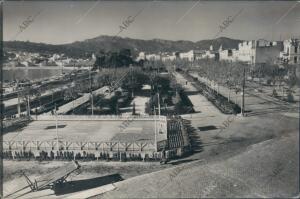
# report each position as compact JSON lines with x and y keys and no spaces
{"x":265,"y":170}
{"x":14,"y":180}
{"x":14,"y":169}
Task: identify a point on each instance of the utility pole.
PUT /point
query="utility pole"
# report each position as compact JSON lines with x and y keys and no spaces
{"x":131,"y":75}
{"x":158,"y":103}
{"x":243,"y":97}
{"x":228,"y":80}
{"x":56,"y":125}
{"x":91,"y":92}
{"x":155,"y":139}
{"x":28,"y":105}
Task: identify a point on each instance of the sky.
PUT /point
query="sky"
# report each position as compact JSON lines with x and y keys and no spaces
{"x":58,"y":22}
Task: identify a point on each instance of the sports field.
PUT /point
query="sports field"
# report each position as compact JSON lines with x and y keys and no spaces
{"x":88,"y":130}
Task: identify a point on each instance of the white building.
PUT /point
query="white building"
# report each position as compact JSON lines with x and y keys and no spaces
{"x":291,"y":51}
{"x":228,"y":54}
{"x":210,"y":54}
{"x":54,"y":57}
{"x":153,"y":57}
{"x":149,"y":57}
{"x":246,"y":51}
{"x":192,"y":55}
{"x":168,"y":57}
{"x":141,"y":56}
{"x":258,"y":51}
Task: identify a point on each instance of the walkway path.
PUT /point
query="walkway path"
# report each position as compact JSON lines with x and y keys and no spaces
{"x":79,"y":101}
{"x":200,"y":103}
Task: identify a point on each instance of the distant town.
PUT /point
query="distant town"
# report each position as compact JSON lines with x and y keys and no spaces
{"x":251,"y":52}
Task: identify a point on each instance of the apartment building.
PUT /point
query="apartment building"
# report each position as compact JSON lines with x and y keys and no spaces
{"x":291,"y":51}
{"x":258,"y":51}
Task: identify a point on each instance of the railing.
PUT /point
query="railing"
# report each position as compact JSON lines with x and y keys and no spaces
{"x":77,"y":146}
{"x":98,"y":117}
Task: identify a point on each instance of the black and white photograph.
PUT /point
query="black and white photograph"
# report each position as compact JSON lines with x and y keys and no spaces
{"x":105,"y":99}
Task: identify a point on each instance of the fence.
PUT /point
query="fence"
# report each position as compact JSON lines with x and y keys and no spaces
{"x":98,"y":117}
{"x":48,"y":150}
{"x":78,"y":146}
{"x":88,"y":150}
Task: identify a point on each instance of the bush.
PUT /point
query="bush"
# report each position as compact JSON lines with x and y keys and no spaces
{"x":274,"y":94}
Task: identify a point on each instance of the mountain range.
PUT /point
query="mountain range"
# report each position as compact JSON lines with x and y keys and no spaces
{"x":110,"y":43}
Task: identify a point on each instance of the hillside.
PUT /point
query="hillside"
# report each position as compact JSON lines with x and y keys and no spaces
{"x":109,"y":43}
{"x":266,"y":170}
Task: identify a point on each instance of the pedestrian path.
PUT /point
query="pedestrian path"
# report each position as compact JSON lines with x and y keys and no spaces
{"x":200,"y":103}
{"x":79,"y":101}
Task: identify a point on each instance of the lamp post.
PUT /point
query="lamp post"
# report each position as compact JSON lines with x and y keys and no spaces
{"x":19,"y":106}
{"x":243,"y":97}
{"x":56,"y":127}
{"x":158,"y":103}
{"x":28,"y":105}
{"x":91,"y":91}
{"x":155,"y":138}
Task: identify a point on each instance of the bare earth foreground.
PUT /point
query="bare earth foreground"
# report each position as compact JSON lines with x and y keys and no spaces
{"x":255,"y":156}
{"x":267,"y":169}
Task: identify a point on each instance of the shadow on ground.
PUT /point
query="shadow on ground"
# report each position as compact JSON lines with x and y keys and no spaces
{"x":192,"y":92}
{"x":178,"y":162}
{"x":81,"y":185}
{"x":266,"y":111}
{"x":207,"y":128}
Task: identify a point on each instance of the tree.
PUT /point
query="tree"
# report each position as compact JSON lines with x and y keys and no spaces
{"x":133,"y":109}
{"x":114,"y":59}
{"x":25,"y":95}
{"x":69,"y":93}
{"x":290,"y":97}
{"x":274,"y":93}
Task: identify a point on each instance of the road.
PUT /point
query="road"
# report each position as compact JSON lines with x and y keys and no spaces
{"x":255,"y":102}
